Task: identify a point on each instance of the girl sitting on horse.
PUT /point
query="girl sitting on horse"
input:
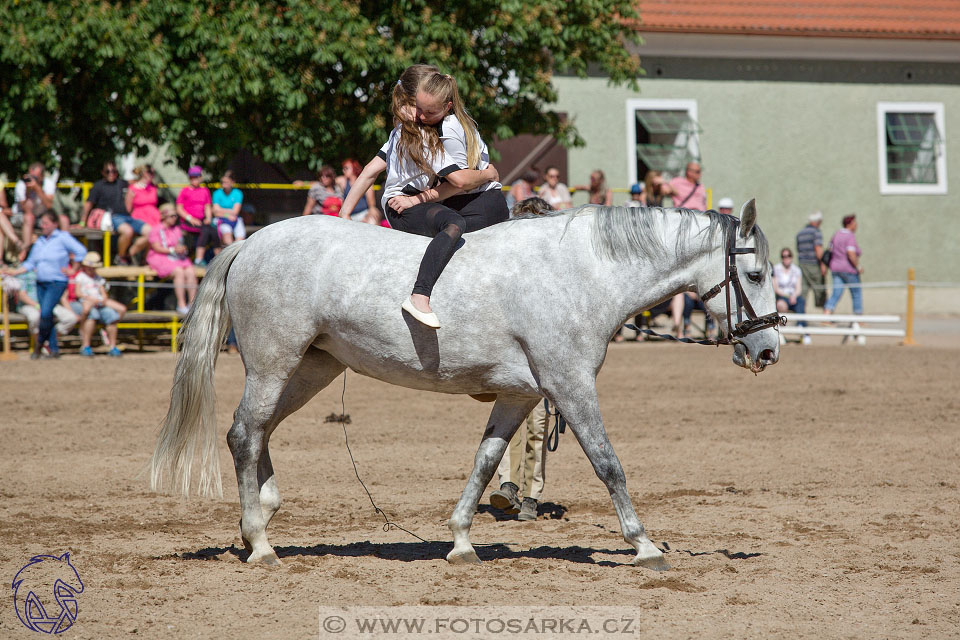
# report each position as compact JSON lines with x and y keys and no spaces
{"x":439,"y":183}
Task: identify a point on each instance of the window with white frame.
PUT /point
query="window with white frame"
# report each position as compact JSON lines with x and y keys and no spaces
{"x":662,"y":135}
{"x":912,"y":148}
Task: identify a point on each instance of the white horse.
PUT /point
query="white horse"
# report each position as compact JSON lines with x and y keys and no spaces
{"x":528,"y":307}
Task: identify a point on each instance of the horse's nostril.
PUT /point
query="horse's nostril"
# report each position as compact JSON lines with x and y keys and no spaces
{"x":767,"y":356}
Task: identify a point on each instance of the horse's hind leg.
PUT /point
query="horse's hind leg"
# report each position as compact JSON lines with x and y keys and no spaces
{"x":267,"y":400}
{"x":507,"y":415}
{"x":581,"y":410}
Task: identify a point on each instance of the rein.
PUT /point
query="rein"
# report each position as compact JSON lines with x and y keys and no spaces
{"x":753,"y":322}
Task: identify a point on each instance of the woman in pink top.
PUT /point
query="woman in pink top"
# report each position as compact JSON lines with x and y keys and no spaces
{"x":168,"y":257}
{"x":195,"y":208}
{"x":845,"y":265}
{"x":142,"y":197}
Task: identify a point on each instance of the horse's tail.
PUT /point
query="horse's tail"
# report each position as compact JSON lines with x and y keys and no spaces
{"x":190,"y":428}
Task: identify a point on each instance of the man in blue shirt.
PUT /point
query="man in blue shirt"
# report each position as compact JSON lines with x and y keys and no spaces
{"x":49,"y":257}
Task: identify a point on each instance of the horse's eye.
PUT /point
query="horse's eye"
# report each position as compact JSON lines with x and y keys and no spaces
{"x":755,"y":276}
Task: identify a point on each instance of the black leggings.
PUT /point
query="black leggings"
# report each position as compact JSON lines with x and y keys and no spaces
{"x":445,"y":222}
{"x":206,"y":237}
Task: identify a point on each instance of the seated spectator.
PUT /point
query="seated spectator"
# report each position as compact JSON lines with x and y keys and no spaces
{"x":32,"y":196}
{"x":324,"y":197}
{"x":725,"y":205}
{"x":195,"y":208}
{"x":653,"y":189}
{"x":49,"y":257}
{"x":168,"y":257}
{"x":554,"y":192}
{"x":27,"y":305}
{"x":691,"y":303}
{"x":366,"y":209}
{"x":599,"y":193}
{"x":686,"y":190}
{"x":110,"y":194}
{"x":522,"y":189}
{"x":142,"y":197}
{"x":227,"y":201}
{"x":93,"y":306}
{"x":636,"y":196}
{"x":787,"y":280}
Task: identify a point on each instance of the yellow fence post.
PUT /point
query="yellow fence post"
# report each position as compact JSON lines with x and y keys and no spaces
{"x":7,"y":355}
{"x":106,"y":248}
{"x":140,"y":293}
{"x":911,"y":281}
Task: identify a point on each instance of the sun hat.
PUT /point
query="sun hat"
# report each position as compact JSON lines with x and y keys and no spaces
{"x":195,"y":171}
{"x":816,"y":216}
{"x":92,"y":259}
{"x":725,"y":203}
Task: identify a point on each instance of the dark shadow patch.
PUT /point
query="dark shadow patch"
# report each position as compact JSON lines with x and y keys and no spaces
{"x":420,"y":551}
{"x":730,"y":555}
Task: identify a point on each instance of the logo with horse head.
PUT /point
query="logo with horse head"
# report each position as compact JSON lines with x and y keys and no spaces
{"x":45,"y":594}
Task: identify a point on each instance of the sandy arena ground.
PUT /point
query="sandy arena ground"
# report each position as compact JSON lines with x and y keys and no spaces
{"x":816,"y":500}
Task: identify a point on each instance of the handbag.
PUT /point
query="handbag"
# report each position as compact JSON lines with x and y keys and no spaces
{"x":827,"y":256}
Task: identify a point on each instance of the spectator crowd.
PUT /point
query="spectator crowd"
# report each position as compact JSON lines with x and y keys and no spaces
{"x":175,"y":238}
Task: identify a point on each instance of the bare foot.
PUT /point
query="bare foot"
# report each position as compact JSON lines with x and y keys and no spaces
{"x":421,"y":302}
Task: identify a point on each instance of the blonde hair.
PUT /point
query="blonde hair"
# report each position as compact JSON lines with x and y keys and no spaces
{"x":648,"y":186}
{"x":141,"y":169}
{"x":444,"y":87}
{"x":167,"y":207}
{"x":412,"y":140}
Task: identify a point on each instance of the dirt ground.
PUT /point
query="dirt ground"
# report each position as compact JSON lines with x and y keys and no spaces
{"x":816,"y":500}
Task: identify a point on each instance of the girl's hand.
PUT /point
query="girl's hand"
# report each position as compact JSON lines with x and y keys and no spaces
{"x":400,"y":203}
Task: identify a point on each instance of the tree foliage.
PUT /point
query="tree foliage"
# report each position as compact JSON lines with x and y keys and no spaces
{"x":296,"y":82}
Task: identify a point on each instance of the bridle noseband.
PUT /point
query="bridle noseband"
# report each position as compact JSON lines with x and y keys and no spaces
{"x":753,"y":323}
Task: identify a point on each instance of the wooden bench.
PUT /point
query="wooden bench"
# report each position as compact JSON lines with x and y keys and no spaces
{"x":132,"y":320}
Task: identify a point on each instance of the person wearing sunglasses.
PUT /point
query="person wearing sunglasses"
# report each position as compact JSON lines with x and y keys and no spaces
{"x":787,"y":280}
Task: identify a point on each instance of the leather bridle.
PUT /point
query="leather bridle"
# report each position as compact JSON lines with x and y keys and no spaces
{"x":753,"y":323}
{"x":744,"y":327}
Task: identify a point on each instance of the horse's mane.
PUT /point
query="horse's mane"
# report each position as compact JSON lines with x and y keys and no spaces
{"x":622,"y":233}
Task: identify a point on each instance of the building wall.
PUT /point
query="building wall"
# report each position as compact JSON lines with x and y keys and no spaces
{"x":797,"y":146}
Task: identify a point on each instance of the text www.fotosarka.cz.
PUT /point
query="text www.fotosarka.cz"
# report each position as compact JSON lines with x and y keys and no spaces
{"x":477,"y":622}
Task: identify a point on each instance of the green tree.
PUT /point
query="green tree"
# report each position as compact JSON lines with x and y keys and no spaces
{"x":296,"y":82}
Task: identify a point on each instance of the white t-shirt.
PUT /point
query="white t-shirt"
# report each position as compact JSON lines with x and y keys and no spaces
{"x":403,"y":175}
{"x":85,"y":286}
{"x":454,"y":140}
{"x":788,"y":280}
{"x":556,"y":196}
{"x":20,"y":194}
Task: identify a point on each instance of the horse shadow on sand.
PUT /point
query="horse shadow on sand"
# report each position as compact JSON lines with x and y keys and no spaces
{"x":438,"y":549}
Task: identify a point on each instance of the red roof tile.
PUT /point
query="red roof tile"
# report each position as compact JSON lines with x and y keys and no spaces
{"x":927,"y":19}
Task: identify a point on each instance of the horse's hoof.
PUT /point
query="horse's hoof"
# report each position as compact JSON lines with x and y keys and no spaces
{"x":463,"y":557}
{"x":269,"y":559}
{"x":656,"y":563}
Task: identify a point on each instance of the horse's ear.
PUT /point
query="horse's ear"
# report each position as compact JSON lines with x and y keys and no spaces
{"x":748,"y":217}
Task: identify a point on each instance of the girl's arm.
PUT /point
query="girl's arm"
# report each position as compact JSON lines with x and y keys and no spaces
{"x":445,"y":189}
{"x":608,"y":200}
{"x":467,"y":179}
{"x":128,"y":199}
{"x":363,"y":183}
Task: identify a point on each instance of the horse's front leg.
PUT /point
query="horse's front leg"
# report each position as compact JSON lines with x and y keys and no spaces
{"x":506,"y":416}
{"x":581,"y":410}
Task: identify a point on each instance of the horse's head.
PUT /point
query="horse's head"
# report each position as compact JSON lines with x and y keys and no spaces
{"x":745,"y":278}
